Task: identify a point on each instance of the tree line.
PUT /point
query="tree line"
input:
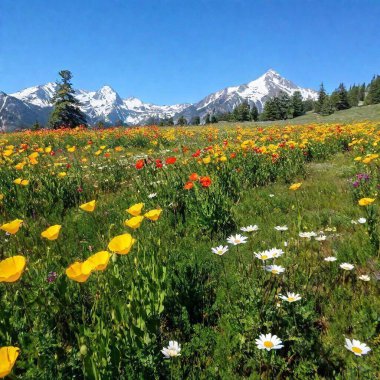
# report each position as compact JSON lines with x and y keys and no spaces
{"x":66,"y":111}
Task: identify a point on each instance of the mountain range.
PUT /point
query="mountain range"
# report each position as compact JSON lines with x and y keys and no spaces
{"x":22,"y":109}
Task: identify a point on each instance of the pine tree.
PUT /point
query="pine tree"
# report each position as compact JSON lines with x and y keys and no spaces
{"x":66,"y":112}
{"x":214,"y":119}
{"x":254,"y":112}
{"x":284,"y":106}
{"x":241,"y":112}
{"x":297,"y":103}
{"x":327,"y":107}
{"x":353,"y":95}
{"x":207,"y":119}
{"x":308,"y":105}
{"x":196,"y":120}
{"x":36,"y":126}
{"x":362,"y":92}
{"x":373,"y":96}
{"x":321,"y":97}
{"x":339,"y":98}
{"x":182,"y":120}
{"x":271,"y":110}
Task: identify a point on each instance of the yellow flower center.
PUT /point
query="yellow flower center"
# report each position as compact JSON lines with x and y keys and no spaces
{"x":268,"y":344}
{"x":291,"y":299}
{"x":264,"y":257}
{"x":357,"y":350}
{"x":274,"y":271}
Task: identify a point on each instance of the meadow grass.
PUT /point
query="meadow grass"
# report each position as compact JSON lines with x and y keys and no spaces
{"x":170,"y":286}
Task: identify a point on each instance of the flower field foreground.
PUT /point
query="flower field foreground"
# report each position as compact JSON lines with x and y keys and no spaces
{"x":197,"y":253}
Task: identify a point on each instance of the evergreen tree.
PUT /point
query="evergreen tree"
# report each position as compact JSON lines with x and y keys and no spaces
{"x":213,"y":119}
{"x":207,"y":119}
{"x":36,"y":126}
{"x":196,"y":120}
{"x":254,"y":113}
{"x":182,"y":120}
{"x":297,"y":103}
{"x":373,"y":96}
{"x":308,"y":105}
{"x":321,"y":97}
{"x":271,"y":110}
{"x":241,"y":112}
{"x":284,"y":104}
{"x":66,"y":112}
{"x":362,"y":92}
{"x":353,"y":95}
{"x":339,"y":98}
{"x":327,"y":107}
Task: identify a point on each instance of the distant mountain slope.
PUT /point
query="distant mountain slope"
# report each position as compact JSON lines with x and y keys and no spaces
{"x":32,"y":104}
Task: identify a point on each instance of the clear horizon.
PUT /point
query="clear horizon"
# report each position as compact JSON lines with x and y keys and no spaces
{"x":166,"y":52}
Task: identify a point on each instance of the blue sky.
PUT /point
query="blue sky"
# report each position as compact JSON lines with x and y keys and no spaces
{"x":174,"y":51}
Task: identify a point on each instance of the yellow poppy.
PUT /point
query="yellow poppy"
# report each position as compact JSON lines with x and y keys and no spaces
{"x":1,"y":196}
{"x":12,"y":227}
{"x":20,"y":166}
{"x":136,"y":209}
{"x":17,"y":181}
{"x":89,"y":206}
{"x":71,"y":149}
{"x":11,"y":268}
{"x":99,"y":261}
{"x":366,"y":201}
{"x":8,"y":357}
{"x":79,"y":272}
{"x":134,"y":222}
{"x":121,"y":244}
{"x":52,"y":232}
{"x":24,"y":182}
{"x":295,"y":186}
{"x":206,"y":160}
{"x":153,"y":214}
{"x":61,"y":174}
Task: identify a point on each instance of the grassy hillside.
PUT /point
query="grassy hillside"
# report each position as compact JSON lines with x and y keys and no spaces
{"x":371,"y":112}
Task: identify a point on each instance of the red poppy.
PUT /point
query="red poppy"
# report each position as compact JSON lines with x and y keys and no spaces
{"x":197,"y":153}
{"x":188,"y":185}
{"x":107,"y":155}
{"x":205,"y":181}
{"x":159,"y":164}
{"x":170,"y":160}
{"x":232,"y":155}
{"x":139,"y":164}
{"x":193,"y":177}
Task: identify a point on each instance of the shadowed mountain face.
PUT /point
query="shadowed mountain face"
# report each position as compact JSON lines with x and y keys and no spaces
{"x":23,"y":108}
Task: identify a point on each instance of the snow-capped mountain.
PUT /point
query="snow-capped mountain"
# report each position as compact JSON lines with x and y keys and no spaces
{"x":258,"y":91}
{"x":21,"y":109}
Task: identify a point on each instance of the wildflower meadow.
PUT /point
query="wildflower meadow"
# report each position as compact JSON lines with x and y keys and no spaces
{"x":226,"y":252}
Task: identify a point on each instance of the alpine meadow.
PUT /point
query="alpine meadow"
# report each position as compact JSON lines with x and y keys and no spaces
{"x":228,"y":236}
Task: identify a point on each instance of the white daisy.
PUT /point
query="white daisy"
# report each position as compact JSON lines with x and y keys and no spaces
{"x":281,"y":228}
{"x":237,"y":239}
{"x":290,"y":297}
{"x":276,"y":252}
{"x":269,"y":342}
{"x":220,"y":250}
{"x":271,"y":195}
{"x":364,"y":277}
{"x":264,"y":255}
{"x":307,"y":235}
{"x":354,"y":222}
{"x":321,"y":238}
{"x":250,"y":228}
{"x":285,"y":243}
{"x":153,"y":195}
{"x":330,"y":258}
{"x":362,"y":220}
{"x":346,"y":266}
{"x":172,"y":350}
{"x":357,"y":347}
{"x":274,"y":269}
